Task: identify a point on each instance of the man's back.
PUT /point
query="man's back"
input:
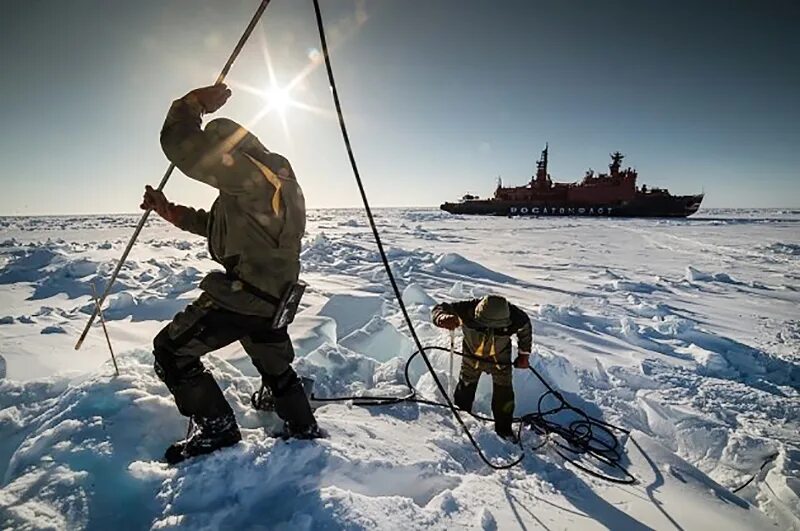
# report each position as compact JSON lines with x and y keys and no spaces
{"x":256,"y":224}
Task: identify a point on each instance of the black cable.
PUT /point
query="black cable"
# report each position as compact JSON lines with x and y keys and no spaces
{"x":769,"y":459}
{"x":578,"y":436}
{"x":587,"y":436}
{"x":379,"y":242}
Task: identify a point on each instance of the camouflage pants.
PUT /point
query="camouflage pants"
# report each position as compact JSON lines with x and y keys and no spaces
{"x":471,"y":371}
{"x":502,"y":390}
{"x":204,"y":327}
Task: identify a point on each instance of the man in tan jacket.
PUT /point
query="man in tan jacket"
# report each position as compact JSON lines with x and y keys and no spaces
{"x":254,"y":230}
{"x":487,"y":325}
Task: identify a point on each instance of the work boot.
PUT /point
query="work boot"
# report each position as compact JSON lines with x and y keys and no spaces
{"x":291,"y":431}
{"x":464,"y":395}
{"x":200,"y":397}
{"x":206,"y":435}
{"x":291,"y":404}
{"x":503,"y":411}
{"x":509,"y":436}
{"x":263,"y":400}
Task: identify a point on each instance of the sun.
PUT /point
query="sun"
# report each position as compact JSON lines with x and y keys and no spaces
{"x":279,"y":99}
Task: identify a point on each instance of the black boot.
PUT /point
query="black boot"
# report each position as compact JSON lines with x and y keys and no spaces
{"x":464,"y":395}
{"x":291,"y":405}
{"x":503,"y":411}
{"x":263,"y":400}
{"x":205,"y":436}
{"x":213,"y":424}
{"x":200,"y":396}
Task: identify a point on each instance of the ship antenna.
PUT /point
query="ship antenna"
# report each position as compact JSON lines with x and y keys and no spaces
{"x":546,"y":151}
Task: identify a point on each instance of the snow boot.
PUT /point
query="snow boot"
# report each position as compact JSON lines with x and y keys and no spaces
{"x":509,"y":436}
{"x":311,"y":431}
{"x":464,"y":395}
{"x":263,"y":400}
{"x":291,"y":404}
{"x":205,"y":436}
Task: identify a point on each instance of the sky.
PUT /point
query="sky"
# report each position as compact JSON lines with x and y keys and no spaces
{"x":441,"y":96}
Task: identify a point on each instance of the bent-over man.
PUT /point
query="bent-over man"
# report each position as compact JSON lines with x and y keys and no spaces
{"x":487,"y":325}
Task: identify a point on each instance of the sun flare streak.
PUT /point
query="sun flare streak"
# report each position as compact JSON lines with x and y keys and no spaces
{"x":279,"y":99}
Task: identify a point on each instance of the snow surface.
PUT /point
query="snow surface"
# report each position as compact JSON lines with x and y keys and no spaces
{"x":686,"y":332}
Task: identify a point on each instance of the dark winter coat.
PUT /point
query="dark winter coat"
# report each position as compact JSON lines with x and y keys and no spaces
{"x":255,"y":225}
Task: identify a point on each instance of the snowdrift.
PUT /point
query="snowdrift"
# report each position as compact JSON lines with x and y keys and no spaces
{"x":684,"y":332}
{"x":89,"y":452}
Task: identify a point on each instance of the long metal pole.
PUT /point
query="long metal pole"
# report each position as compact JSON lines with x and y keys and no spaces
{"x":168,"y":173}
{"x":452,"y":355}
{"x":105,"y":330}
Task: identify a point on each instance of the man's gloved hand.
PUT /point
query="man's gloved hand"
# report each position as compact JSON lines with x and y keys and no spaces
{"x":157,"y":201}
{"x":154,"y":200}
{"x":210,"y":98}
{"x":522,"y":361}
{"x":450,"y":322}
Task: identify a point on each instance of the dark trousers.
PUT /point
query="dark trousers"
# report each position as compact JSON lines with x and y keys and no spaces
{"x":204,"y":327}
{"x":502,"y":391}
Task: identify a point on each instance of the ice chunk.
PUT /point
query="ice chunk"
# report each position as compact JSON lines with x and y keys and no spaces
{"x":455,"y":263}
{"x":723,"y":277}
{"x":458,"y":291}
{"x":379,"y":340}
{"x":309,"y":332}
{"x":53,"y":330}
{"x":351,"y":312}
{"x":414,"y":294}
{"x":708,"y":362}
{"x":121,"y":301}
{"x":695,"y":275}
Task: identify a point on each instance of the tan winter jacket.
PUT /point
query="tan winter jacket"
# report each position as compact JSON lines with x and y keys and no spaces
{"x":493,"y":344}
{"x":255,"y":226}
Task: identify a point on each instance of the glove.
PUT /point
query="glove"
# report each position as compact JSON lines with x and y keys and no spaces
{"x":522,"y":361}
{"x":157,"y":201}
{"x":450,"y":322}
{"x":154,"y":200}
{"x":210,"y":98}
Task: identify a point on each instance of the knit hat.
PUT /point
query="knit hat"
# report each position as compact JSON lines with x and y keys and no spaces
{"x":493,"y":312}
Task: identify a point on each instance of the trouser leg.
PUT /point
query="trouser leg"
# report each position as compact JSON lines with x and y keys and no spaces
{"x":177,"y":349}
{"x":503,"y":401}
{"x":464,"y":395}
{"x":272,"y":354}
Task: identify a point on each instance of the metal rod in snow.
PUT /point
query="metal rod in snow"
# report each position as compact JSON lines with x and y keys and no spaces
{"x":99,"y":310}
{"x":168,"y":173}
{"x":452,"y":355}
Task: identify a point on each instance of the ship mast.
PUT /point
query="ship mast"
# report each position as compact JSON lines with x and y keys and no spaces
{"x":542,"y":179}
{"x":616,"y":162}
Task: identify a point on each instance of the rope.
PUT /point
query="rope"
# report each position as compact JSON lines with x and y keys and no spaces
{"x":379,"y":242}
{"x":584,"y":439}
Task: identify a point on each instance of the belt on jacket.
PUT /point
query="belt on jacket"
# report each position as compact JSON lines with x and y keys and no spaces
{"x":252,"y":290}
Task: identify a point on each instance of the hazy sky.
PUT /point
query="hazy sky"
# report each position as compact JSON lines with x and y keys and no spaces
{"x":442,"y":96}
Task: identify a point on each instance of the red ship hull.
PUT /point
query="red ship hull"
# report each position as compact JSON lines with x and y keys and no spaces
{"x":612,"y":194}
{"x":642,"y":206}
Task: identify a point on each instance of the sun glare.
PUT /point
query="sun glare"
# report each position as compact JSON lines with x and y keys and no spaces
{"x":278,"y":98}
